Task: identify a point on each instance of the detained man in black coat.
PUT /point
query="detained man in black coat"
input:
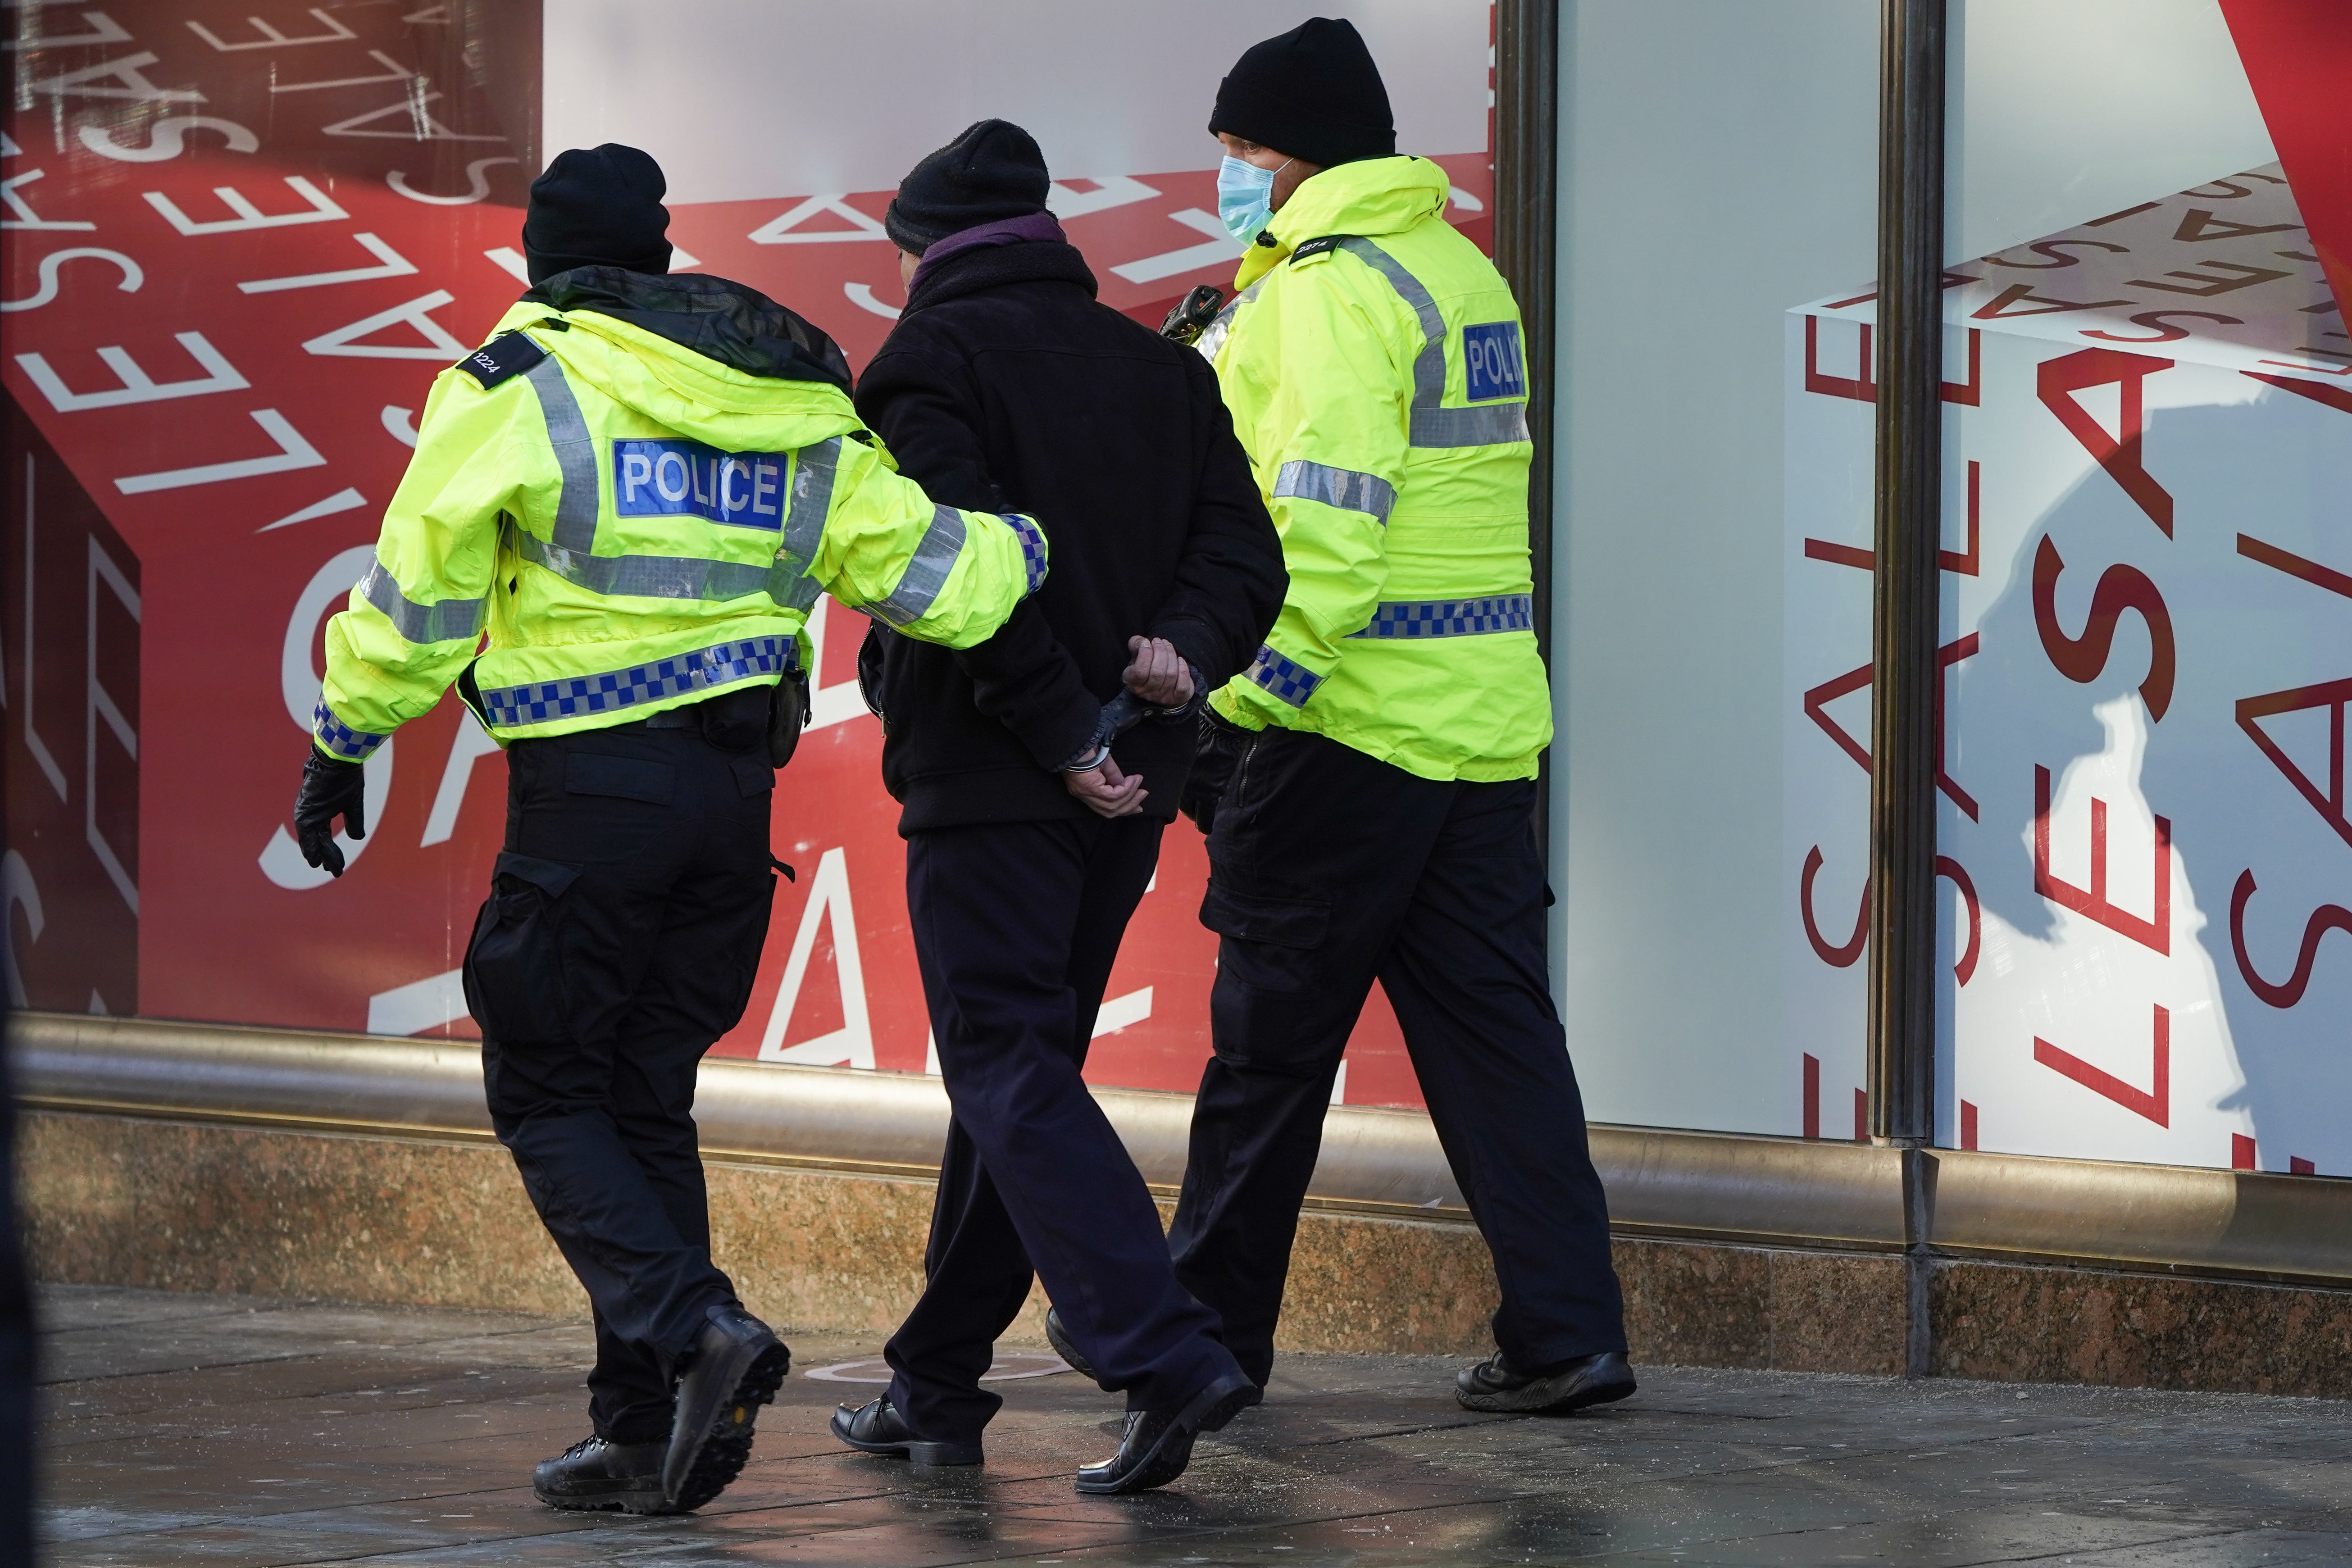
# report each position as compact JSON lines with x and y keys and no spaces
{"x":1031,"y":830}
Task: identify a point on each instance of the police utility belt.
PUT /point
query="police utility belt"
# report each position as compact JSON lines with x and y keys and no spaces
{"x":741,"y":720}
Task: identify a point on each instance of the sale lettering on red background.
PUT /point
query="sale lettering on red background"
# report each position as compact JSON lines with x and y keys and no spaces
{"x":240,"y":246}
{"x":2147,"y":613}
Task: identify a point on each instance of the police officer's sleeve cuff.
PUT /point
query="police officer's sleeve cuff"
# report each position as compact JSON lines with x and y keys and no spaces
{"x":340,"y":741}
{"x":1033,"y":549}
{"x":1280,"y":676}
{"x":1227,"y":703}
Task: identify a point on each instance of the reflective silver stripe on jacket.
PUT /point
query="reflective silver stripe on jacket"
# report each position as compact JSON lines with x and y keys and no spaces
{"x":444,"y":621}
{"x":1433,"y":425}
{"x":575,"y":456}
{"x":1212,"y":336}
{"x":571,"y":553}
{"x":789,"y":583}
{"x":927,"y":574}
{"x":1452,"y":617}
{"x":647,"y":576}
{"x":1343,"y":488}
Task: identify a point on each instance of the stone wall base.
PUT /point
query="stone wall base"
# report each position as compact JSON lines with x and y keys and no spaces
{"x":209,"y":1207}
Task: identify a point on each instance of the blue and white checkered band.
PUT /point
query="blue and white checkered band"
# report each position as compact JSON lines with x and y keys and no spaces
{"x":1033,"y":547}
{"x":1452,"y":617}
{"x":1291,"y":681}
{"x":540,"y":702}
{"x":340,"y":740}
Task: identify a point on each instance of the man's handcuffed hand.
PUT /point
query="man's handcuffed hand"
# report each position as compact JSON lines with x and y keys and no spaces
{"x":1159,"y":674}
{"x":1106,"y":790}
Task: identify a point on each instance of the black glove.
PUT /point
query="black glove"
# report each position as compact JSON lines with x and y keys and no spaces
{"x":1215,"y":755}
{"x":331,"y":788}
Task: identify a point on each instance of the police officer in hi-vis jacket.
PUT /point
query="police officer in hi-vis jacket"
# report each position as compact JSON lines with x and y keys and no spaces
{"x":621,"y":508}
{"x":1371,"y":778}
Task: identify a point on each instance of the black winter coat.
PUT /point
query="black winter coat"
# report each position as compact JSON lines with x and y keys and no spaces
{"x":1006,"y":386}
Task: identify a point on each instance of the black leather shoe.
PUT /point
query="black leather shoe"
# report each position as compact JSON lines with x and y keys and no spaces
{"x":1065,"y":1347}
{"x":876,"y":1428}
{"x":595,"y":1473}
{"x":1493,"y":1384}
{"x":737,"y":1366}
{"x":1158,"y":1444}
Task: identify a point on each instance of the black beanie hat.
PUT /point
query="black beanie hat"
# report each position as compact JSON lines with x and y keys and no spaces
{"x":992,"y":171}
{"x":600,"y":207}
{"x":1313,"y":93}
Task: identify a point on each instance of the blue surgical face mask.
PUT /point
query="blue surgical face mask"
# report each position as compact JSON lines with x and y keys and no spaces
{"x":1246,"y":198}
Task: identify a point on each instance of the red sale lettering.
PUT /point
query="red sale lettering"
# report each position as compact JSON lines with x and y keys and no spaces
{"x":2161,"y":325}
{"x":2331,"y":695}
{"x":2155,"y":1102}
{"x":2082,"y":659}
{"x":1841,"y":956}
{"x":2324,"y":919}
{"x":1859,"y":387}
{"x":2155,"y":933}
{"x":1948,"y":655}
{"x":2020,"y":300}
{"x":2056,"y":250}
{"x":2056,"y":382}
{"x":1816,"y":706}
{"x":1965,"y":965}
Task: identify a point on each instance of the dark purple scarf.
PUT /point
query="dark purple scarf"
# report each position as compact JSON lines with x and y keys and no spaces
{"x":1038,"y":227}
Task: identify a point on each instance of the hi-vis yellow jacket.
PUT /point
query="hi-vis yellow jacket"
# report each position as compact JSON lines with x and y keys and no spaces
{"x":636,"y":525}
{"x":1372,"y":363}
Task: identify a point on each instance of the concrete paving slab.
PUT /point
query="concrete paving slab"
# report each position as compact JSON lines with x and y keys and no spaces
{"x":256,"y":1434}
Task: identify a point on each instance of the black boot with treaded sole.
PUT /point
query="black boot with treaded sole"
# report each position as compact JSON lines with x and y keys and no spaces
{"x":1493,"y":1384}
{"x":736,"y":1367}
{"x":594,"y":1476}
{"x":1158,"y":1444}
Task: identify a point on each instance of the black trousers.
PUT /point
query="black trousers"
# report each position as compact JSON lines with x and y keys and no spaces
{"x":1327,"y":868}
{"x":619,"y":941}
{"x":1016,"y":926}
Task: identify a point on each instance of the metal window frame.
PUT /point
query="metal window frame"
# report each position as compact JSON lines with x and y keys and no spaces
{"x":1907,"y":502}
{"x":1906,"y":529}
{"x":1527,"y":197}
{"x":1664,"y":1184}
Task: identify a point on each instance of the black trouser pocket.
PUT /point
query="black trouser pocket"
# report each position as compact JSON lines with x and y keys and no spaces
{"x":1272,"y":941}
{"x":1276,"y":1005}
{"x":514,"y":964}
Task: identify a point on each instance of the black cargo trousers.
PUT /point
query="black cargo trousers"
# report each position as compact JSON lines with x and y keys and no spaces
{"x":1330,"y":869}
{"x":618,"y":942}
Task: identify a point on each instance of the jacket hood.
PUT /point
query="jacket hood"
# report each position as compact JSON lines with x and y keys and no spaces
{"x":1372,"y":197}
{"x":601,"y":343}
{"x":740,"y":327}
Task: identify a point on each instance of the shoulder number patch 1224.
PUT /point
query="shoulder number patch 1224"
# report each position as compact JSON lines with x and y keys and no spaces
{"x":1491,"y":351}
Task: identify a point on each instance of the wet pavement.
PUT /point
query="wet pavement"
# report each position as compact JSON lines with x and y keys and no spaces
{"x":205,"y":1429}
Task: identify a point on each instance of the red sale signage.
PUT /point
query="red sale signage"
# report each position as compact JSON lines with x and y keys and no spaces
{"x":238,"y":249}
{"x":2147,"y":435}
